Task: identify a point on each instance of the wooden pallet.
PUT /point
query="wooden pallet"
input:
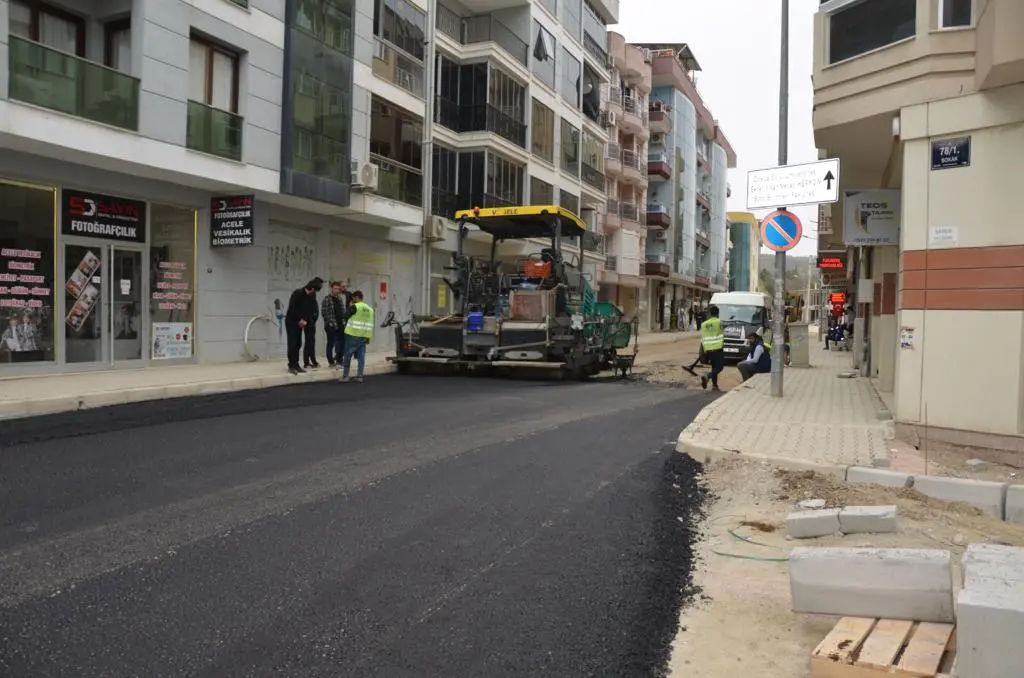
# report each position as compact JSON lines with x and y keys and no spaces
{"x":870,"y":648}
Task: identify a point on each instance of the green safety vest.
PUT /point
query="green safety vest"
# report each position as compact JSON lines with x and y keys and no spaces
{"x":361,"y":324}
{"x":711,"y":337}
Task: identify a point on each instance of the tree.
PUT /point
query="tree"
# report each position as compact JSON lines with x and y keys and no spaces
{"x":766,"y":281}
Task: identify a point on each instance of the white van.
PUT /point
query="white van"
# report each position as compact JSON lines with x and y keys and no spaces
{"x":742,"y":313}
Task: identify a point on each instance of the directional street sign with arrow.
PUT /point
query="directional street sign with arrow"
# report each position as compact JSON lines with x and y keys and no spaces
{"x":811,"y":183}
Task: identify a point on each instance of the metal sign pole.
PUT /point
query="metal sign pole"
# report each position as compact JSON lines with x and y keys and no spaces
{"x":779,"y":310}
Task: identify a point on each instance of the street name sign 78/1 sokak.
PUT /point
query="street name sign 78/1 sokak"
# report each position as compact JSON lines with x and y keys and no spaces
{"x":811,"y":183}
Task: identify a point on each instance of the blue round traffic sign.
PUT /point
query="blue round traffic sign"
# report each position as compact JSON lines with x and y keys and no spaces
{"x":781,"y":231}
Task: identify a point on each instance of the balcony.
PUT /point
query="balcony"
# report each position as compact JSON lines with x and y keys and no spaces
{"x":479,"y":118}
{"x":397,"y":67}
{"x":700,"y":276}
{"x":704,"y":200}
{"x":702,"y":160}
{"x":635,"y":117}
{"x":592,"y":177}
{"x":398,"y":182}
{"x":611,"y":98}
{"x":660,"y":120}
{"x":658,"y":168}
{"x":613,"y":159}
{"x":629,"y":213}
{"x":491,"y":200}
{"x":595,"y":49}
{"x":211,"y":130}
{"x":444,"y":203}
{"x":612,"y":219}
{"x":51,"y":79}
{"x":593,"y":242}
{"x":701,"y":236}
{"x":611,"y":262}
{"x":657,"y":265}
{"x":657,"y":216}
{"x":631,"y":167}
{"x":480,"y":29}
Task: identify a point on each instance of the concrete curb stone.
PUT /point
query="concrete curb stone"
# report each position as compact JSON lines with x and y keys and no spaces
{"x":1013,"y":512}
{"x":988,"y":496}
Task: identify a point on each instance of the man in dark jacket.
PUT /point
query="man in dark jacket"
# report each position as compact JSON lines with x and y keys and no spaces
{"x":758,"y":361}
{"x":334,"y":310}
{"x":299,"y":320}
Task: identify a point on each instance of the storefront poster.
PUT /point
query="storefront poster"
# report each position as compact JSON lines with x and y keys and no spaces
{"x":871,"y":217}
{"x":26,"y":306}
{"x":82,"y":274}
{"x":172,"y":286}
{"x":231,"y":221}
{"x":172,"y":340}
{"x":102,"y":216}
{"x":81,"y":309}
{"x":907,"y":338}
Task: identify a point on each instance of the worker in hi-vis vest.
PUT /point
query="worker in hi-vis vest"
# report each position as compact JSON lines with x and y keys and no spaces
{"x":358,"y":333}
{"x":712,"y":340}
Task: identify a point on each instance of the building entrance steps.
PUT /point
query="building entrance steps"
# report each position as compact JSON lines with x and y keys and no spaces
{"x":23,"y":396}
{"x":823,"y":421}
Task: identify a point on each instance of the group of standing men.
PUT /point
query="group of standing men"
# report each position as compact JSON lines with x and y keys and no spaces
{"x":348,"y":326}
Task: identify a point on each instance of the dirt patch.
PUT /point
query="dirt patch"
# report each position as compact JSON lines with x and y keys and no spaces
{"x":742,"y":625}
{"x":951,"y":460}
{"x":663,"y":364}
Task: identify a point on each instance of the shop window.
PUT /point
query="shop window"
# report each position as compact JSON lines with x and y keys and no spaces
{"x":27,"y":226}
{"x":213,"y":75}
{"x":870,"y":25}
{"x":542,"y":132}
{"x":47,"y":25}
{"x":172,"y":257}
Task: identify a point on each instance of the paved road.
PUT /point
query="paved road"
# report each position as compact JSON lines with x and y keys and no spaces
{"x":405,"y":527}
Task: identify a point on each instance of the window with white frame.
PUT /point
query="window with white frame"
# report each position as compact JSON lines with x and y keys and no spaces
{"x":956,"y":13}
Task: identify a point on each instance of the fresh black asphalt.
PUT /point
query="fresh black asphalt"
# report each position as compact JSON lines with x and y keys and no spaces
{"x":408,"y":526}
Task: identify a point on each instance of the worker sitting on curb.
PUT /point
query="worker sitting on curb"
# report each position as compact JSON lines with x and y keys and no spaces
{"x":712,"y":341}
{"x":758,"y":361}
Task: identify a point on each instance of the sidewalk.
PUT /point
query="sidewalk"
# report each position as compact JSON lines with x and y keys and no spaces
{"x":48,"y":394}
{"x":821,"y":420}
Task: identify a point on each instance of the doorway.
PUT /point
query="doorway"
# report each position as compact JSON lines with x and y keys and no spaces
{"x":103,"y":303}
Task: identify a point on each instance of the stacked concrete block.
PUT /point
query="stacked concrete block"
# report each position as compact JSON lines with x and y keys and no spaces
{"x":867,"y":519}
{"x":1015,"y":504}
{"x":987,"y":496}
{"x":810,"y":524}
{"x":990,"y":612}
{"x":914,"y":584}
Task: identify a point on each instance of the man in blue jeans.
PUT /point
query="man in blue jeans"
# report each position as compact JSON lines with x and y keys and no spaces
{"x":358,"y":333}
{"x":334,"y":310}
{"x":758,"y":361}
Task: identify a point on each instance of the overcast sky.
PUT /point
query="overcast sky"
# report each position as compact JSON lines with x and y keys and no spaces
{"x":736,"y":43}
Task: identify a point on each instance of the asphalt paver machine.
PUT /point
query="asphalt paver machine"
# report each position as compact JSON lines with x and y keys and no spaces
{"x":539,"y":312}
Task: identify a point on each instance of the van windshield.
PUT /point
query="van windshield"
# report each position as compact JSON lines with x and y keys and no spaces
{"x":753,"y":315}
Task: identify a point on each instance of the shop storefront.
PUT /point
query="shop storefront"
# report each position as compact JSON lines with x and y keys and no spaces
{"x":92,"y":281}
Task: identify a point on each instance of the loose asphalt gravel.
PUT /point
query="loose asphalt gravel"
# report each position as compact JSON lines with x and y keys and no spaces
{"x":408,"y":526}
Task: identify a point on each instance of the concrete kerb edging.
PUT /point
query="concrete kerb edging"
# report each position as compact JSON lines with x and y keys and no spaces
{"x":42,"y":406}
{"x":1004,"y":501}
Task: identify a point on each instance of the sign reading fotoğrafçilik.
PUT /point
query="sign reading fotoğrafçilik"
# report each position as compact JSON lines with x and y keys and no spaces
{"x":92,"y":215}
{"x":231,"y":221}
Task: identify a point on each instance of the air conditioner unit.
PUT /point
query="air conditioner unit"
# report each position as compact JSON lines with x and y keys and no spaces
{"x":647,"y":55}
{"x":661,"y":235}
{"x":611,"y":61}
{"x":367,"y":177}
{"x":434,"y":229}
{"x":608,"y":119}
{"x":657,"y":139}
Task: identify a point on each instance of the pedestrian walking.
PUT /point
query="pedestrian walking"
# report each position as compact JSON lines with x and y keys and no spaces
{"x":332,"y":310}
{"x":301,"y":314}
{"x":712,"y":340}
{"x":358,"y":334}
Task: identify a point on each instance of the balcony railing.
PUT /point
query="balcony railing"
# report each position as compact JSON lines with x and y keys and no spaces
{"x":611,"y":94}
{"x":612,"y":207}
{"x":613,"y":151}
{"x":593,"y":47}
{"x":657,"y":259}
{"x":629,"y":159}
{"x":46,"y":77}
{"x":593,"y":177}
{"x":488,"y":29}
{"x":444,"y":203}
{"x":488,"y":118}
{"x":498,"y":201}
{"x":659,"y":116}
{"x":449,"y":23}
{"x":214,"y":131}
{"x":447,"y":113}
{"x":611,"y":262}
{"x":399,"y":182}
{"x":629,"y":212}
{"x":397,"y":67}
{"x":635,"y":106}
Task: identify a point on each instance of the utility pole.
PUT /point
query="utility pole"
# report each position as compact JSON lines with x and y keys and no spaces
{"x":427,"y":152}
{"x":779,"y":310}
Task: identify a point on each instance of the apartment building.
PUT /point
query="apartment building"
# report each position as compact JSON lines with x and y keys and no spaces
{"x":923,"y":101}
{"x":518,"y":119}
{"x":624,"y":103}
{"x":744,"y":260}
{"x":688,"y":158}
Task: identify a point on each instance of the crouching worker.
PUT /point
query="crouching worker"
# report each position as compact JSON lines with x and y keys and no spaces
{"x":758,"y":361}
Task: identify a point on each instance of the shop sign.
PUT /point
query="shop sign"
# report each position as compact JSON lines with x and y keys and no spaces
{"x":231,"y":221}
{"x":871,"y":217}
{"x":950,"y":153}
{"x":837,"y":298}
{"x":832,"y":263}
{"x":172,"y":340}
{"x":92,"y":215}
{"x":383,"y":291}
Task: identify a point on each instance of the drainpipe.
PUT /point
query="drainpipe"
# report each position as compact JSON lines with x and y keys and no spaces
{"x":430,"y":73}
